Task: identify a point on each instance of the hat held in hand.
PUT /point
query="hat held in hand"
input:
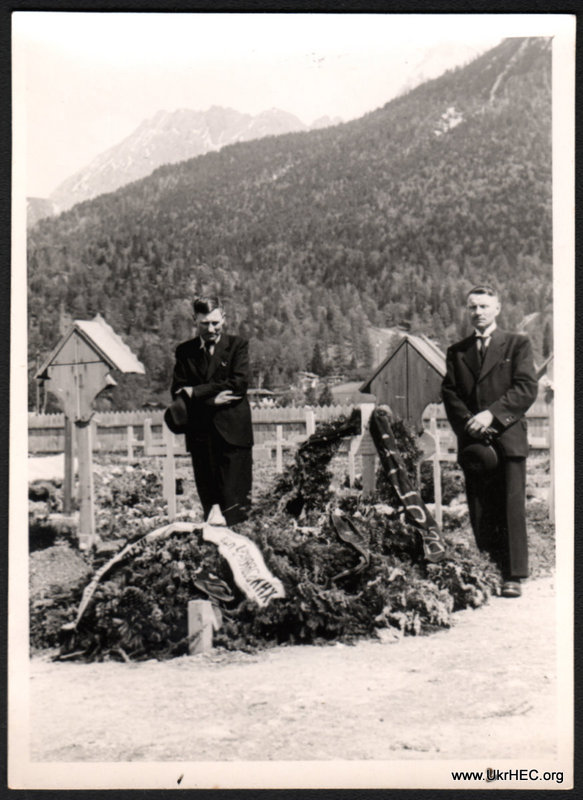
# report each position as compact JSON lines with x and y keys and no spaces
{"x":479,"y":457}
{"x":176,"y":415}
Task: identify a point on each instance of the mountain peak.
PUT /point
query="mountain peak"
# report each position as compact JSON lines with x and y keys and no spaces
{"x":168,"y":137}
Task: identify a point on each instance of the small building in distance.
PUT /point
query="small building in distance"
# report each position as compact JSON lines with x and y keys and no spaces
{"x":308,"y":380}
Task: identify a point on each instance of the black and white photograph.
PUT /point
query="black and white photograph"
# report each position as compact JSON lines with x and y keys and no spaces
{"x":292,"y":352}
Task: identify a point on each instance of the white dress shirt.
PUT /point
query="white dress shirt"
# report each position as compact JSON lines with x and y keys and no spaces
{"x":486,"y":335}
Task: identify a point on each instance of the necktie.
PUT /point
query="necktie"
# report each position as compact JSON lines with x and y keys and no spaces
{"x":482,"y":347}
{"x":206,"y":357}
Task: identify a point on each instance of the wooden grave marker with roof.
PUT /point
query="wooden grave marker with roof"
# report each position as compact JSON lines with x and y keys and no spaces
{"x":78,"y":369}
{"x":407,"y":381}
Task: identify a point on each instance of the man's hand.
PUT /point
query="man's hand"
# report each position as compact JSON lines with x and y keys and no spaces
{"x":478,"y":424}
{"x":227,"y":396}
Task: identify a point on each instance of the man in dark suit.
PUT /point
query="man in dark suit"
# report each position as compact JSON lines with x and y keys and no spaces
{"x":489,"y":385}
{"x":212,"y":373}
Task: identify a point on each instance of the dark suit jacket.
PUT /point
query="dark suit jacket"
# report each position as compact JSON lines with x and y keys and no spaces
{"x":506,"y":385}
{"x":228,"y":369}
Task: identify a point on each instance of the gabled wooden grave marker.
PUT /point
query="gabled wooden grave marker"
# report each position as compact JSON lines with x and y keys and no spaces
{"x":407,"y":381}
{"x":78,"y":370}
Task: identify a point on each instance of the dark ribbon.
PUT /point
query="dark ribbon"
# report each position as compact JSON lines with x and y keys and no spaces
{"x":347,"y":532}
{"x":415,"y":509}
{"x":214,"y":587}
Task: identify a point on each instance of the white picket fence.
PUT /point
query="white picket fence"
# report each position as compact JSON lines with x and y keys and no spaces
{"x":129,"y":431}
{"x":122,"y":431}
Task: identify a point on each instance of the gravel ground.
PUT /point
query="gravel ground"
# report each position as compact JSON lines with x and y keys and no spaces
{"x":484,"y":689}
{"x":487,"y":688}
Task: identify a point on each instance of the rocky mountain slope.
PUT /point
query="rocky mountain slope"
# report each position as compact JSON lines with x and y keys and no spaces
{"x":38,"y":208}
{"x":167,"y":138}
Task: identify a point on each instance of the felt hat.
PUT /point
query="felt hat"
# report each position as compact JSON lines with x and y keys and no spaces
{"x":479,"y":457}
{"x":176,"y":415}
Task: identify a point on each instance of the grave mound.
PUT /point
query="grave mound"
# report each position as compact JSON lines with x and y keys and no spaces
{"x":351,"y":566}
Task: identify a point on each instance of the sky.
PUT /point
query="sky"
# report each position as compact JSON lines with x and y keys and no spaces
{"x":83,"y":81}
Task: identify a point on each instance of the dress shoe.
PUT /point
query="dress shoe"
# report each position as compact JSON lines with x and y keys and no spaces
{"x":511,"y":588}
{"x":215,"y":517}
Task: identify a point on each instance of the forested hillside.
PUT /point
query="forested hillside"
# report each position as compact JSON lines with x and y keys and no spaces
{"x":312,"y":237}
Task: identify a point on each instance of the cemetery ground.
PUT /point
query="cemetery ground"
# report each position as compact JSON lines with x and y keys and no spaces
{"x":484,"y":688}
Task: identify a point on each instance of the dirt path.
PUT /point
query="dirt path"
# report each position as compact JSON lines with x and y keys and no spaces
{"x":485,"y":688}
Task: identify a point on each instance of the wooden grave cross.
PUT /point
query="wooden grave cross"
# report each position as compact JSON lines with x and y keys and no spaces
{"x":78,"y":370}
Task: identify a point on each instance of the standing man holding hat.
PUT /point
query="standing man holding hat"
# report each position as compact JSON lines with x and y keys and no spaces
{"x":210,"y":407}
{"x":490,"y":384}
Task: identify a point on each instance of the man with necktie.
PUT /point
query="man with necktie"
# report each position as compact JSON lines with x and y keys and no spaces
{"x":489,"y":385}
{"x":210,"y":380}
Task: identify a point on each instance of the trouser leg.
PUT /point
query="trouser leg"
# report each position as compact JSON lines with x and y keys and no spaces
{"x":223,"y":476}
{"x":485,"y":492}
{"x":206,"y":474}
{"x":517,"y":565}
{"x":496,"y":501}
{"x":235,"y":471}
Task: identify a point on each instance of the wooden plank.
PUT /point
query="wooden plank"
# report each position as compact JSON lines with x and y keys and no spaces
{"x":369,"y":465}
{"x":45,"y":420}
{"x":201,"y":619}
{"x":424,"y":385}
{"x":279,"y":449}
{"x":68,"y":480}
{"x":169,"y":475}
{"x":392,"y":384}
{"x":352,"y":450}
{"x":436,"y":471}
{"x":86,"y":514}
{"x":147,"y":436}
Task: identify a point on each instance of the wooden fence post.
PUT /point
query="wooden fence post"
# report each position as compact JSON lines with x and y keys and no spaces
{"x":86,"y":516}
{"x":352,"y":450}
{"x":130,"y":440}
{"x":368,"y":451}
{"x":68,"y":482}
{"x":436,"y":467}
{"x":369,"y":463}
{"x":279,"y":448}
{"x":147,"y":436}
{"x":169,"y":474}
{"x":95,"y":443}
{"x":310,"y":422}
